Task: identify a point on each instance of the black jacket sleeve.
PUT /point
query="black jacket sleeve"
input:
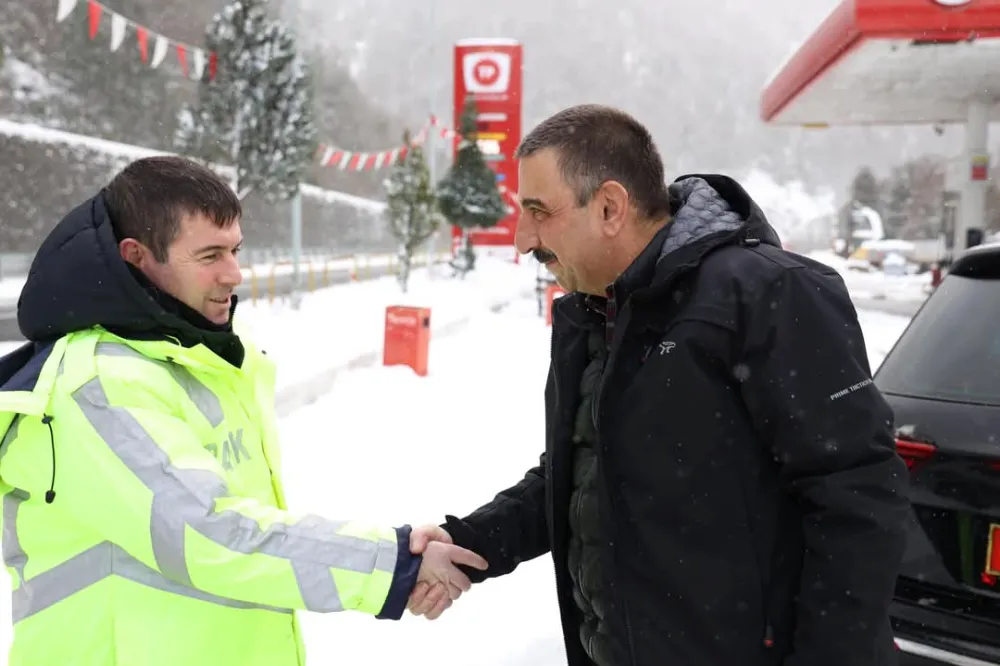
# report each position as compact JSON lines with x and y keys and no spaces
{"x":509,"y":530}
{"x":808,"y":387}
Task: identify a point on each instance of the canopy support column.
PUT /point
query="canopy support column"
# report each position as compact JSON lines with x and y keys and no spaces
{"x":972,"y":207}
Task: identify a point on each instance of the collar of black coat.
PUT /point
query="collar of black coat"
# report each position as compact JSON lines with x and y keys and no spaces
{"x":708,"y":211}
{"x":78,"y":280}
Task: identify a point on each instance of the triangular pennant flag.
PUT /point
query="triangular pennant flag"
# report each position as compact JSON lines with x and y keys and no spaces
{"x":159,"y":50}
{"x":182,"y":58}
{"x":94,"y":17}
{"x":118,"y":24}
{"x":65,"y":9}
{"x":142,"y":36}
{"x":199,"y":63}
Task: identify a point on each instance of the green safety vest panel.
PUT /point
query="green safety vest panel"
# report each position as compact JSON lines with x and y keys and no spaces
{"x":168,"y":540}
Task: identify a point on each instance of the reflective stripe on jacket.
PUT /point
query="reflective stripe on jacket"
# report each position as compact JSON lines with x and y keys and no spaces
{"x":168,"y":540}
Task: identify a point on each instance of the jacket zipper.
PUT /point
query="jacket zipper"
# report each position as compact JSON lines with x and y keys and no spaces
{"x":602,"y":472}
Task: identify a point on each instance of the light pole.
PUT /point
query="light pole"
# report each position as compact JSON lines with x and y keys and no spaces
{"x":297,"y":199}
{"x":431,"y":143}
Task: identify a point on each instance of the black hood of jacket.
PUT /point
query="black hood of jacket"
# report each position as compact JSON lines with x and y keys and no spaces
{"x":78,"y":280}
{"x":719,"y":197}
{"x":708,"y":210}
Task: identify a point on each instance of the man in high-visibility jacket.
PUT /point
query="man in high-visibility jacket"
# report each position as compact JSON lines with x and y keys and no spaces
{"x":162,"y":536}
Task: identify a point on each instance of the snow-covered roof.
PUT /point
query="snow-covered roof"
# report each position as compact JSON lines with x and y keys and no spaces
{"x":487,"y":41}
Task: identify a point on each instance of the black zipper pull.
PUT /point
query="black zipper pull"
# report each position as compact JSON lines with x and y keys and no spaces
{"x":768,"y":636}
{"x":50,"y":494}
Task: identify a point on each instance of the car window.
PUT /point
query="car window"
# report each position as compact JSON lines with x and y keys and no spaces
{"x":951,"y":351}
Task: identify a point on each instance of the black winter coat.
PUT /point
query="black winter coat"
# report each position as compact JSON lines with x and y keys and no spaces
{"x":754,"y":504}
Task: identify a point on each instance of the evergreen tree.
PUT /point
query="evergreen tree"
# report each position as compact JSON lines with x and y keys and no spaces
{"x":468,"y":196}
{"x":410,"y":206}
{"x":897,"y":202}
{"x":865,"y":189}
{"x":256,"y":114}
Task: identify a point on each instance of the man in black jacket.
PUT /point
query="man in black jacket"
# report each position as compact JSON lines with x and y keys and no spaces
{"x":719,"y":485}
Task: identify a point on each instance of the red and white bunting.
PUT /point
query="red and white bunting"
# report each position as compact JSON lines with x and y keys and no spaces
{"x":347,"y":160}
{"x":120,"y":26}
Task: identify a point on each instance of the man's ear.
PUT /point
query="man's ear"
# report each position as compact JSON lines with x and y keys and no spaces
{"x":614,"y":202}
{"x":132,"y":251}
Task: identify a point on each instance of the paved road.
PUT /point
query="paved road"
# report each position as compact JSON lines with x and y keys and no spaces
{"x":9,"y":331}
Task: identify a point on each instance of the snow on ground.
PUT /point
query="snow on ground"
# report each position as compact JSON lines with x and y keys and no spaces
{"x":881,"y":332}
{"x":10,"y":288}
{"x":338,"y":324}
{"x":472,"y":427}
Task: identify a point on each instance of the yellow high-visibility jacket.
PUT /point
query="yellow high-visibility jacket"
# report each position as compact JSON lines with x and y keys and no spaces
{"x":144,"y":520}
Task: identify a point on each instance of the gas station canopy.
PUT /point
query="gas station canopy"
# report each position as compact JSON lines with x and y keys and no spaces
{"x":891,"y":62}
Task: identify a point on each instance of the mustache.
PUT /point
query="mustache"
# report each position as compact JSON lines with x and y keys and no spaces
{"x":543,"y":256}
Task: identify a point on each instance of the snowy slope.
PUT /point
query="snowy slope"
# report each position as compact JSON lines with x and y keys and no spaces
{"x":40,"y":134}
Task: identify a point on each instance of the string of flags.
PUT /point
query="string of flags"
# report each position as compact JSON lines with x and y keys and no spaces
{"x":347,"y":160}
{"x":192,"y":59}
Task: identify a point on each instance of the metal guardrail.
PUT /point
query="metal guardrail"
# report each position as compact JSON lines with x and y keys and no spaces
{"x":16,"y":264}
{"x":266,"y":282}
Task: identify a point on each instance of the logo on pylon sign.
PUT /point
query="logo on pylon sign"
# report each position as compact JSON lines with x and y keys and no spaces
{"x":486,"y":72}
{"x":951,"y":3}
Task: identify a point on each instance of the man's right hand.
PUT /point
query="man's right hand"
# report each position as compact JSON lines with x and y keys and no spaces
{"x":439,"y":582}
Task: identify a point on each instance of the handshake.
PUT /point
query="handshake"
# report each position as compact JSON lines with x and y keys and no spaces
{"x":439,"y":582}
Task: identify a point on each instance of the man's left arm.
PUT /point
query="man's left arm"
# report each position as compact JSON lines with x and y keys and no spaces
{"x":809,"y":391}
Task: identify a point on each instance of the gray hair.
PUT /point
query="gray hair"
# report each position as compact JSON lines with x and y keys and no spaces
{"x":594,"y":144}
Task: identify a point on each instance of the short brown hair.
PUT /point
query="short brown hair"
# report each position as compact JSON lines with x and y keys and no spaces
{"x":594,"y":144}
{"x":147,"y":199}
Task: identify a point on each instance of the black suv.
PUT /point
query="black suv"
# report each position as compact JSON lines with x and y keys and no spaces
{"x":942,"y":379}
